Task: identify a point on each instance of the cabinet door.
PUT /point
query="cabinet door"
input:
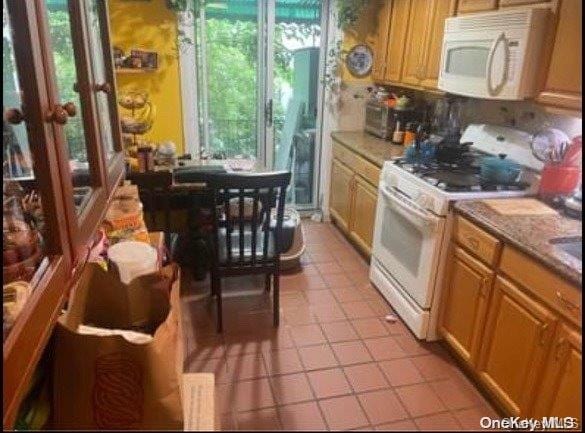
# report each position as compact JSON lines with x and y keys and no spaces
{"x":466,"y":6}
{"x":441,"y":9}
{"x":363,"y":214}
{"x":341,"y":193}
{"x":418,"y":27}
{"x":73,"y":118}
{"x":560,"y":392}
{"x":517,"y":337}
{"x":563,"y":81}
{"x":397,"y":39}
{"x":382,"y":30}
{"x":30,"y":162}
{"x":504,"y":3}
{"x":104,"y":88}
{"x":465,"y":297}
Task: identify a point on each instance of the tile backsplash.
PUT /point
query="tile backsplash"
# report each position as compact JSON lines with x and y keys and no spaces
{"x":525,"y":115}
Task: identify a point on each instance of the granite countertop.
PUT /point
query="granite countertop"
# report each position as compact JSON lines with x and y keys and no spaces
{"x":530,"y":234}
{"x":371,"y":148}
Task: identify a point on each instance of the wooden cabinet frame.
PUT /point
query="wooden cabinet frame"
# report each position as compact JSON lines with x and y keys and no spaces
{"x":68,"y":235}
{"x":358,"y":188}
{"x":517,"y":339}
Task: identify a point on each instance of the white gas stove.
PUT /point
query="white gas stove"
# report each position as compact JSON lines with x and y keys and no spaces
{"x":413,"y":219}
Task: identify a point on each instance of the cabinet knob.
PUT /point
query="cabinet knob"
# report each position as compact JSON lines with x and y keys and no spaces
{"x":103,"y":87}
{"x":13,"y":116}
{"x":60,"y":113}
{"x":559,"y":349}
{"x":543,"y":333}
{"x":566,"y":303}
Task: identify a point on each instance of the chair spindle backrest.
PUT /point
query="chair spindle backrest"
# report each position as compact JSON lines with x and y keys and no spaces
{"x":232,"y":196}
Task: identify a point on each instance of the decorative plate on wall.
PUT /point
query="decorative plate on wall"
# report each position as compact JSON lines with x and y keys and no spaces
{"x":359,"y":60}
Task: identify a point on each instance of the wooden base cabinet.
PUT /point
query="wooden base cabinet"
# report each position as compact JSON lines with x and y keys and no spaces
{"x":341,"y":193}
{"x":466,"y":293}
{"x":364,"y":216}
{"x":560,"y":393}
{"x":516,"y":340}
{"x":514,"y":324}
{"x":353,"y":196}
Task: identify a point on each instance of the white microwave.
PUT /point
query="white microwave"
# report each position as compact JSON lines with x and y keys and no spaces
{"x":493,"y":55}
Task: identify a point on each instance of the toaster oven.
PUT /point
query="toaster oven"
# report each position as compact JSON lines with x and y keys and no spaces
{"x":379,"y":119}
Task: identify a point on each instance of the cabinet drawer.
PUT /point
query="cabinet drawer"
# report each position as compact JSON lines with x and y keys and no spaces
{"x":543,"y":283}
{"x":367,"y":170}
{"x":344,"y":155}
{"x":478,"y":242}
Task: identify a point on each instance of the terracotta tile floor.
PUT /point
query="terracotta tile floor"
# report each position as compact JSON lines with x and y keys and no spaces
{"x":334,"y":363}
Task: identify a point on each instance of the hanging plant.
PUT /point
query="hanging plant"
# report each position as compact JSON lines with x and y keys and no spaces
{"x":349,"y":11}
{"x":192,"y":6}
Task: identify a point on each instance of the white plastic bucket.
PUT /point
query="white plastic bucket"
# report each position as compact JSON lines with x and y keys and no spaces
{"x":133,"y":259}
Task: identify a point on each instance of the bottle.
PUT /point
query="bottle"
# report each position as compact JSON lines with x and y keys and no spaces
{"x":398,"y":135}
{"x":409,"y":134}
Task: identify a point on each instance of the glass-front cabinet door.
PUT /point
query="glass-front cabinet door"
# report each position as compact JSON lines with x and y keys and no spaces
{"x":102,"y":70}
{"x":80,"y":85}
{"x":62,"y":160}
{"x":36,"y":251}
{"x":72,"y":115}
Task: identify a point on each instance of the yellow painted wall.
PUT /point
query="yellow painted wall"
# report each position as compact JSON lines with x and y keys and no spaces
{"x":149,"y":25}
{"x":363,"y":32}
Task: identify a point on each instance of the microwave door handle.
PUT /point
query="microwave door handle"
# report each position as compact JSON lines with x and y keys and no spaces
{"x":408,"y":211}
{"x":494,"y":90}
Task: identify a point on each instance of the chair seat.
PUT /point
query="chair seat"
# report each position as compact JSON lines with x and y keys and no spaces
{"x":235,"y":247}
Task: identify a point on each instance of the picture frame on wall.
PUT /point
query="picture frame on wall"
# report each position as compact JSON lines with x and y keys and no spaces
{"x":145,"y":59}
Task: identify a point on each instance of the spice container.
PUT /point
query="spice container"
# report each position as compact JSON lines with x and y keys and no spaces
{"x":409,"y":134}
{"x":398,"y":136}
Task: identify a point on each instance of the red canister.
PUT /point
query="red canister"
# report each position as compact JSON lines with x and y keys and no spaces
{"x":557,"y":180}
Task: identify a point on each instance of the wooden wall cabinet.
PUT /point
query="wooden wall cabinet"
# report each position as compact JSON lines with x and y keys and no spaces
{"x":353,"y":195}
{"x":562,"y":87}
{"x":414,"y":51}
{"x":439,"y":11}
{"x":396,"y":40}
{"x":514,"y":324}
{"x":414,"y":42}
{"x":61,"y":67}
{"x":381,"y":39}
{"x":467,"y":290}
{"x":469,"y":6}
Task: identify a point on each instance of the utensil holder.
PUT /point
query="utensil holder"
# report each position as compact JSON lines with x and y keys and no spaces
{"x":558,"y":180}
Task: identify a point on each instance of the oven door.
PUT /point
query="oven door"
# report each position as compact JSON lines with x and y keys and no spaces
{"x":407,"y":240}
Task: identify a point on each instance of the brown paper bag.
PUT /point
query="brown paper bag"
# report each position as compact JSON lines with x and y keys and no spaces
{"x":107,"y":382}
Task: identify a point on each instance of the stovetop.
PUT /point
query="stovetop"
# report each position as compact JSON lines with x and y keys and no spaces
{"x":462,"y":175}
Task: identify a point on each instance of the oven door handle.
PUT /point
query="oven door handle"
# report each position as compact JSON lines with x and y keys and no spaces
{"x":410,"y":212}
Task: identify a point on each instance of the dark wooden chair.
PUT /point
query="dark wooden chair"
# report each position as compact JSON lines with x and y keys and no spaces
{"x":154,"y":189}
{"x":246,"y":231}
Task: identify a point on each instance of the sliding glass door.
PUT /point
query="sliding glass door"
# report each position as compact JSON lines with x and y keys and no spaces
{"x":296,"y":48}
{"x":228,"y":77}
{"x":259,"y":80}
